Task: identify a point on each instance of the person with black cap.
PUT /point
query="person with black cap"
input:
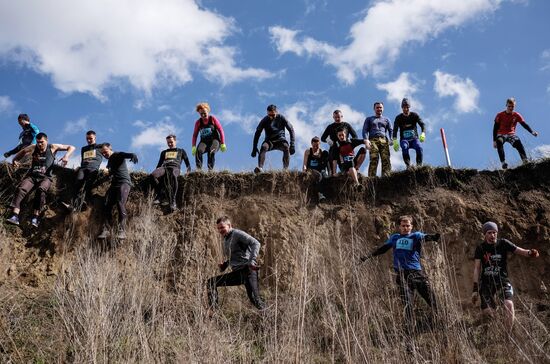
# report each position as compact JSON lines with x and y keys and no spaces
{"x":406,"y":123}
{"x":274,"y":125}
{"x":316,"y":161}
{"x":491,"y":274}
{"x":26,"y":137}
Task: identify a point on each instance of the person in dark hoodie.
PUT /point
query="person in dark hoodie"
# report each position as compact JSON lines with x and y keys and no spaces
{"x":118,"y":190}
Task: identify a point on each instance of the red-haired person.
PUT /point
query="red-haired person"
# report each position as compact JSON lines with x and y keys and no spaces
{"x":211,"y":135}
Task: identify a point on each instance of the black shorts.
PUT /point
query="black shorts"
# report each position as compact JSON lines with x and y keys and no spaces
{"x":488,"y":291}
{"x":344,"y":166}
{"x":276,"y":144}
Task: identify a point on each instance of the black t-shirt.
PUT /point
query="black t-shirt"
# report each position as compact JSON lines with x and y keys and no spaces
{"x":331,"y":131}
{"x":173,"y":157}
{"x":407,"y":126}
{"x":118,"y":169}
{"x":91,"y":157}
{"x":317,"y":162}
{"x":494,"y":259}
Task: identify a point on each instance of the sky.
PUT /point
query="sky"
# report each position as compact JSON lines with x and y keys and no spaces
{"x":133,"y":71}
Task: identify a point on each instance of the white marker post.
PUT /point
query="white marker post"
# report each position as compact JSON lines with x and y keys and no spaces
{"x":444,"y":140}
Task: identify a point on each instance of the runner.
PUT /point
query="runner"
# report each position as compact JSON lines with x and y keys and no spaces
{"x":316,"y":161}
{"x":504,"y":131}
{"x":274,"y":125}
{"x":330,"y":133}
{"x":212,"y":136}
{"x":241,"y":251}
{"x":26,"y":137}
{"x":491,"y":273}
{"x":375,"y":130}
{"x":118,"y":190}
{"x":348,"y":161}
{"x":87,"y":173}
{"x":39,"y":175}
{"x":169,"y":167}
{"x":407,"y":248}
{"x":405,"y":123}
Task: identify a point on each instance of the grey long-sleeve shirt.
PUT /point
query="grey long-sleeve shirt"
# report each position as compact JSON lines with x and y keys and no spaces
{"x":240,"y":248}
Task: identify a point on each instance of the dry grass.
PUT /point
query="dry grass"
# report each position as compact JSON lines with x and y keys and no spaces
{"x":143,"y":301}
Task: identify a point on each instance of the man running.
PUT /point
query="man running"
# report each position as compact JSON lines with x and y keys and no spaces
{"x":274,"y":125}
{"x":377,"y":131}
{"x":405,"y":123}
{"x":212,"y":136}
{"x":39,"y":175}
{"x":491,"y":274}
{"x":118,"y":191}
{"x":330,"y":132}
{"x":90,"y":160}
{"x":316,"y":161}
{"x":504,"y":131}
{"x":26,"y":137}
{"x":241,"y":251}
{"x":169,"y":167}
{"x":348,"y":161}
{"x":407,"y":249}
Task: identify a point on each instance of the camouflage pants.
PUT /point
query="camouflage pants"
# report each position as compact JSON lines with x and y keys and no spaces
{"x":379,"y":149}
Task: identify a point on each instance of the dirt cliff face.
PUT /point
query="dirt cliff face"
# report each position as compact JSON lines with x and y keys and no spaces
{"x":281,"y":211}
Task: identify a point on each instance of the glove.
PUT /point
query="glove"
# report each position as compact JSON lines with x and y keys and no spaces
{"x":253,"y":267}
{"x":291,"y":149}
{"x":533,"y":253}
{"x":134,"y":158}
{"x":223,"y":266}
{"x":475,"y":293}
{"x":223,"y":147}
{"x":433,"y":237}
{"x":6,"y":155}
{"x":395,"y":145}
{"x":422,"y":137}
{"x":193,"y":150}
{"x":254,"y":152}
{"x":330,"y":142}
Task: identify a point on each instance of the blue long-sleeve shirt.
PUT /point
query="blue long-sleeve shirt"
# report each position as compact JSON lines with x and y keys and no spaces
{"x":26,"y":138}
{"x":375,"y":127}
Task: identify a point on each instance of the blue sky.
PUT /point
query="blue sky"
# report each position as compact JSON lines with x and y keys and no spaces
{"x":134,"y":70}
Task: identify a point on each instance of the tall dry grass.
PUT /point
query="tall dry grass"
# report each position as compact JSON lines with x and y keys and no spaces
{"x":143,"y":301}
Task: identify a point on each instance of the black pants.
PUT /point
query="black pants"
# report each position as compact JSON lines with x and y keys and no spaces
{"x":210,"y":147}
{"x":514,"y":142}
{"x":85,"y":178}
{"x":42,"y":186}
{"x":116,"y":195}
{"x":170,"y":180}
{"x":236,"y":277}
{"x":409,"y":281}
{"x":281,"y":145}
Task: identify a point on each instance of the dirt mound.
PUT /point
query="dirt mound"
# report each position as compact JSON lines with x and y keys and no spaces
{"x":282,"y":211}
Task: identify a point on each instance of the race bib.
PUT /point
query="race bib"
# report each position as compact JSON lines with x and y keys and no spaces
{"x":89,"y":154}
{"x":404,"y":244}
{"x":408,"y":134}
{"x":171,"y":155}
{"x":206,"y":132}
{"x":348,"y":158}
{"x":314,"y":163}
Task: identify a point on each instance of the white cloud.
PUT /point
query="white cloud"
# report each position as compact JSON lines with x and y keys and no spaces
{"x":545,"y":59}
{"x":465,"y":91}
{"x":542,"y":151}
{"x":248,"y":122}
{"x":89,"y":45}
{"x":153,"y":134}
{"x":387,"y":27}
{"x":6,"y":104}
{"x":76,"y":126}
{"x":402,"y":87}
